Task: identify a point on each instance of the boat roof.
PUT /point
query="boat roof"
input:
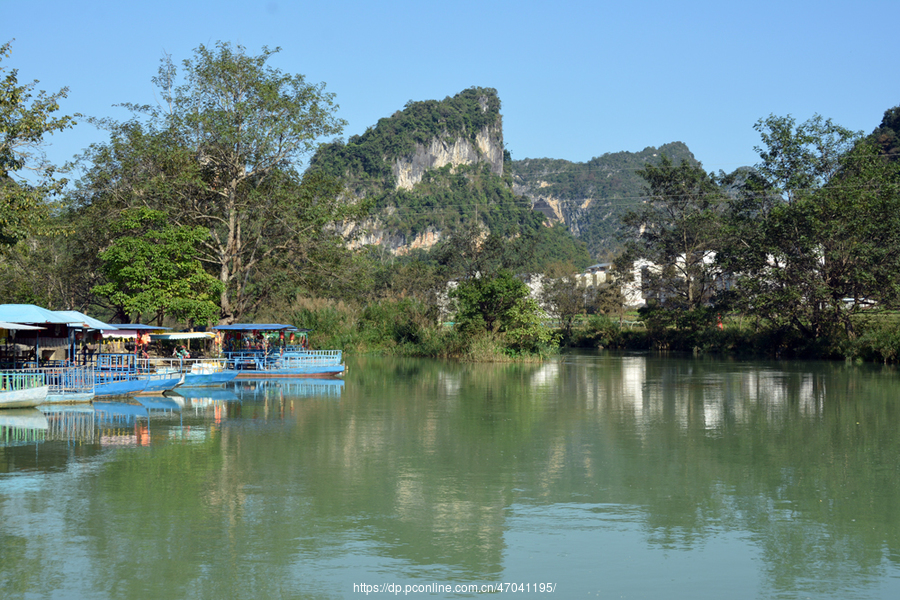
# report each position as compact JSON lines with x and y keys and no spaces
{"x":18,"y":326}
{"x":257,"y":327}
{"x":184,"y":335}
{"x":85,"y":321}
{"x":33,"y":314}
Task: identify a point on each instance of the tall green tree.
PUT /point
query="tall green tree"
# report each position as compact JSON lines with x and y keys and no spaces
{"x":26,"y":117}
{"x":677,"y":231}
{"x":814,"y":230}
{"x":153,"y":269}
{"x":222,"y":151}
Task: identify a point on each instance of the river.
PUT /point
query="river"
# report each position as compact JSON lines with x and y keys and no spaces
{"x":591,"y":476}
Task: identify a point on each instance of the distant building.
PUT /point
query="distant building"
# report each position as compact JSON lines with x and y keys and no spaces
{"x":594,"y":275}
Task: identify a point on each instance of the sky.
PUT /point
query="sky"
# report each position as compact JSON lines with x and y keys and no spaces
{"x":576,"y":79}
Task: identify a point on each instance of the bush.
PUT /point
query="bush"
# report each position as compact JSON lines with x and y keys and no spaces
{"x":878,"y":341}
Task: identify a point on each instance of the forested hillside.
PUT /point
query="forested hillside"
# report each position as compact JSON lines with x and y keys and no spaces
{"x":434,"y":166}
{"x":589,"y":198}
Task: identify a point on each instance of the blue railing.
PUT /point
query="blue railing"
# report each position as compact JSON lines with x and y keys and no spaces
{"x":11,"y":381}
{"x":257,"y":360}
{"x":65,"y":380}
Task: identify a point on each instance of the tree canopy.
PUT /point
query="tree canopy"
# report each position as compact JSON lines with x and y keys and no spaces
{"x":26,"y":117}
{"x":677,"y":229}
{"x":813,"y":233}
{"x":153,"y":269}
{"x":222,"y":152}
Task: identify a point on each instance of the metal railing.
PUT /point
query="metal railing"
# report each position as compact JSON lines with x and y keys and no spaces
{"x":64,"y":380}
{"x":26,"y":379}
{"x":259,"y":361}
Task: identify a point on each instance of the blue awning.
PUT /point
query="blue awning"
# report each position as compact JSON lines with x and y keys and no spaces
{"x":32,"y":314}
{"x":84,"y":321}
{"x":256,"y":327}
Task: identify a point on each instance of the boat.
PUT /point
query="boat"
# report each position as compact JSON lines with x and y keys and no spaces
{"x":22,"y":390}
{"x":126,"y":375}
{"x":290,"y":363}
{"x":161,"y":381}
{"x":198,"y":372}
{"x":207,"y":372}
{"x":261,"y":350}
{"x":68,"y":384}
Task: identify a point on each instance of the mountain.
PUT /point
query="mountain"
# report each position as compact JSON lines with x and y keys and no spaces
{"x":435,"y":165}
{"x":887,"y":135}
{"x":590,"y":197}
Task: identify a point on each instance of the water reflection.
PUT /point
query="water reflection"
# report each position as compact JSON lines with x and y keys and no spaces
{"x":609,"y":474}
{"x":22,"y":426}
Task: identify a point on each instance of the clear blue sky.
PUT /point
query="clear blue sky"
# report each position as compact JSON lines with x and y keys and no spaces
{"x":576,"y":79}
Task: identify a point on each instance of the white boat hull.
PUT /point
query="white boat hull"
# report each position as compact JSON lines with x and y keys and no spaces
{"x":26,"y":398}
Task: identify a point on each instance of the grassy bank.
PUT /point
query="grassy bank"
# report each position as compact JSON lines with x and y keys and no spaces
{"x":403,"y":327}
{"x":407,"y":327}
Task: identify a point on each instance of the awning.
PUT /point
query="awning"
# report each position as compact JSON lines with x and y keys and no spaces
{"x":256,"y":327}
{"x":32,"y":314}
{"x":18,"y":326}
{"x":85,"y":322}
{"x":187,"y":335}
{"x":131,"y":330}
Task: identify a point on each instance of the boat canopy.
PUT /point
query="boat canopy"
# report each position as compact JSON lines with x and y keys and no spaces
{"x":185,"y":335}
{"x":85,"y":322}
{"x":258,"y":327}
{"x":33,"y":314}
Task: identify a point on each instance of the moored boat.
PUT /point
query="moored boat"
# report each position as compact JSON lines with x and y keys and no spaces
{"x":127,"y":375}
{"x":22,"y":390}
{"x":260,"y":350}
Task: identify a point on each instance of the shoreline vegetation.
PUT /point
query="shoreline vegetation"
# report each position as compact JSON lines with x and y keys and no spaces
{"x":405,"y":328}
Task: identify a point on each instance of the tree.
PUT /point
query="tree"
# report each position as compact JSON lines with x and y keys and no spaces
{"x":814,"y":231}
{"x":222,"y":152}
{"x":563,"y":296}
{"x":483,"y":302}
{"x":501,"y":303}
{"x":25,"y":118}
{"x":153,"y":268}
{"x":676,"y":231}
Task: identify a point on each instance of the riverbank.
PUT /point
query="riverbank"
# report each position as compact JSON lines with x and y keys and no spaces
{"x":875,"y":338}
{"x":410,"y":328}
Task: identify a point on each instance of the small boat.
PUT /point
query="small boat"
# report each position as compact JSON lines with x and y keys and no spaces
{"x":260,"y":350}
{"x":126,"y":375}
{"x":22,"y":390}
{"x":205,"y":372}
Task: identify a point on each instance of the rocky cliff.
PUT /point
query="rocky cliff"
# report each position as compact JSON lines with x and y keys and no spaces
{"x":426,"y":169}
{"x":446,"y":149}
{"x":435,"y":164}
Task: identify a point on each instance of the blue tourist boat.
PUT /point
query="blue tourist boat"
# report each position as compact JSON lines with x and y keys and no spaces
{"x":126,"y":374}
{"x":198,"y":372}
{"x":265,"y":350}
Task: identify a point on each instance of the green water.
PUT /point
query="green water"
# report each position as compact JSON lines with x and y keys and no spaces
{"x":596,"y":476}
